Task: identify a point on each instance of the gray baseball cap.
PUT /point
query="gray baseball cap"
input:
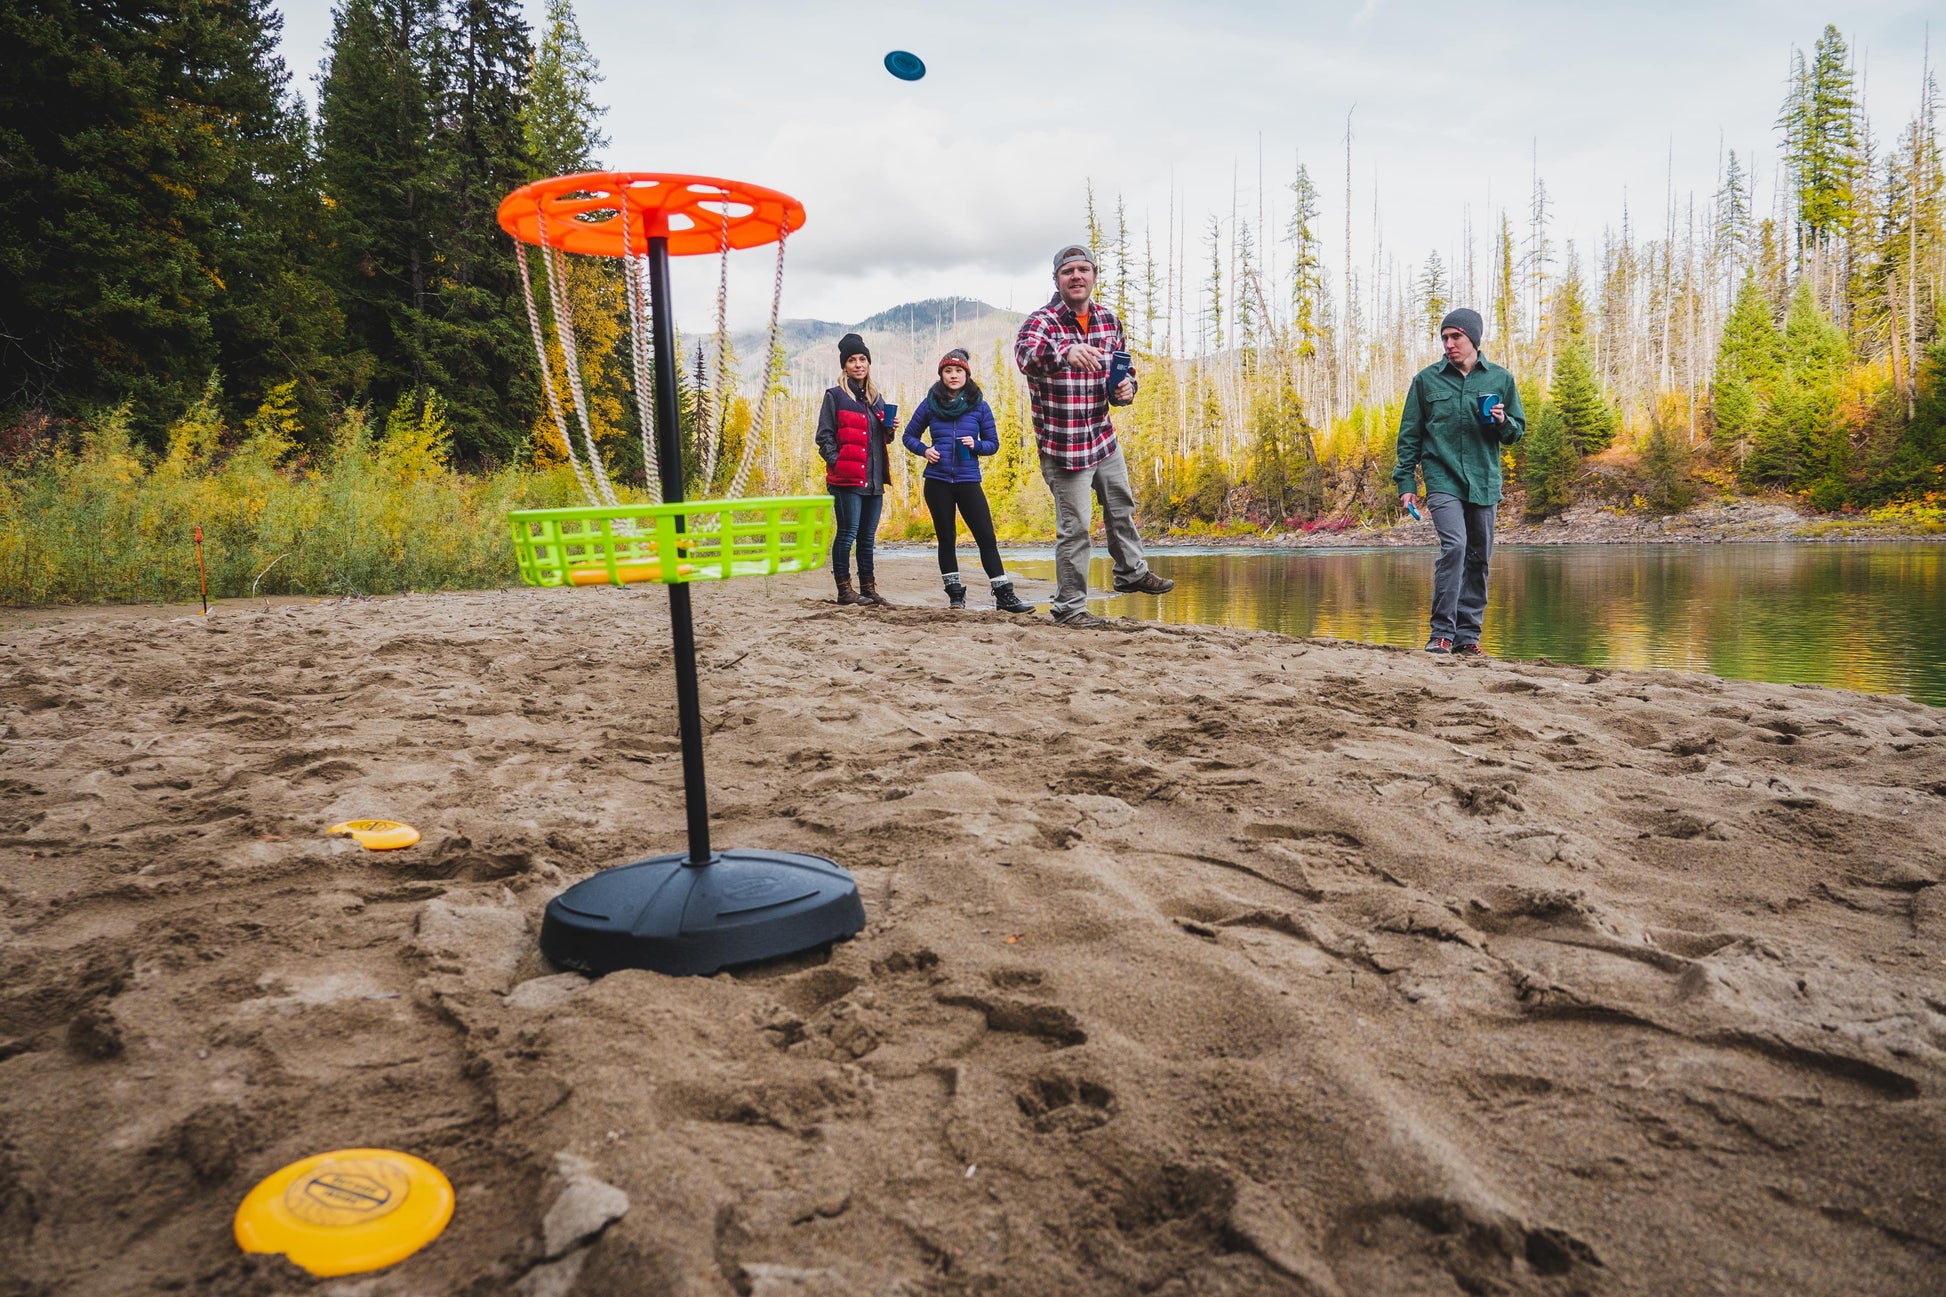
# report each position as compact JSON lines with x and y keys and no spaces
{"x":1073,"y":252}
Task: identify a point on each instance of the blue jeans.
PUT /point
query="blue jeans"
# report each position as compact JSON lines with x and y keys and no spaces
{"x":857,"y":521}
{"x":1459,"y":578}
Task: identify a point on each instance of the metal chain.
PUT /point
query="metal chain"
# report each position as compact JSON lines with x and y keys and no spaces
{"x":635,"y":278}
{"x":634,"y":275}
{"x":771,"y":379}
{"x":547,"y":371}
{"x":719,"y":402}
{"x":557,"y":278}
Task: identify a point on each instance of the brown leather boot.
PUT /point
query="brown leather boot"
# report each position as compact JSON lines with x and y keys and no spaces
{"x":868,"y":593}
{"x":846,"y":595}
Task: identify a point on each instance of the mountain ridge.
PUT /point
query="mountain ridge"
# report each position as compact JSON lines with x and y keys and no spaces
{"x":906,"y":342}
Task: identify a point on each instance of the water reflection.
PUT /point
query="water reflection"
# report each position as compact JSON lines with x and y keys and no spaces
{"x":1868,"y":617}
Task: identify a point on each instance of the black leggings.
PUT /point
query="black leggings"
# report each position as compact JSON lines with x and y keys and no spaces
{"x":942,"y":498}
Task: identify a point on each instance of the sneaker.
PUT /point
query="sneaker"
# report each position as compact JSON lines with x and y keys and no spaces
{"x":1084,"y":620}
{"x":1005,"y":600}
{"x":1439,"y":644}
{"x":1468,"y":651}
{"x":1147,"y":583}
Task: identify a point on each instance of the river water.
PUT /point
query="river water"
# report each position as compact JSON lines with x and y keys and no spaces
{"x":1858,"y":616}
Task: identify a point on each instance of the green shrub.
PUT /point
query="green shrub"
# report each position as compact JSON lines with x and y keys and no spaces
{"x":101,"y":521}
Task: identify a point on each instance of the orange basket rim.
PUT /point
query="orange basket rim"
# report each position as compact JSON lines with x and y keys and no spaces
{"x":582,"y":213}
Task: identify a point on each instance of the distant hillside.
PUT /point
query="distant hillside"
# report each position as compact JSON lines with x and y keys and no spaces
{"x":906,"y":342}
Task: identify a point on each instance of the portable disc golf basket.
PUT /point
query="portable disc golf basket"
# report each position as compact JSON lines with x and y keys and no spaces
{"x":701,"y":910}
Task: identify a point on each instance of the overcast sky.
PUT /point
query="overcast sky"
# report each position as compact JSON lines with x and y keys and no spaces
{"x":965,"y":182}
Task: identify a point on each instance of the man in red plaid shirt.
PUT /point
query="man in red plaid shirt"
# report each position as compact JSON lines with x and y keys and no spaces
{"x":1064,"y":349}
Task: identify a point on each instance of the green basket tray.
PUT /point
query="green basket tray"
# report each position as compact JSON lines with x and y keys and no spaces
{"x":626,"y":544}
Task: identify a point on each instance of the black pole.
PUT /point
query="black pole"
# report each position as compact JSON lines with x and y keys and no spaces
{"x":682,"y":630}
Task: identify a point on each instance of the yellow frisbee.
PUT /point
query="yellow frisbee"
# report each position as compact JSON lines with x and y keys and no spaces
{"x":376,"y":835}
{"x":346,"y":1212}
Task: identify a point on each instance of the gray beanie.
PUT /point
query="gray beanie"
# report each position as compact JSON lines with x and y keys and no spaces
{"x":1073,"y":252}
{"x":1467,"y":321}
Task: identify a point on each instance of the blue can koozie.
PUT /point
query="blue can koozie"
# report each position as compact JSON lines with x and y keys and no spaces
{"x":1487,"y":403}
{"x":1119,"y":363}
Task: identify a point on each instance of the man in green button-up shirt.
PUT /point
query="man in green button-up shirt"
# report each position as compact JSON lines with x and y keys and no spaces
{"x":1457,"y":416}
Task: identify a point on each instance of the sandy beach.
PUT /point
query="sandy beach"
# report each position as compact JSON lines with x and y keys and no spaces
{"x":1197,"y":961}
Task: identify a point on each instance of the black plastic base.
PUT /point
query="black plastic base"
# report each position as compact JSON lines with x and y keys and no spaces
{"x":690,"y":921}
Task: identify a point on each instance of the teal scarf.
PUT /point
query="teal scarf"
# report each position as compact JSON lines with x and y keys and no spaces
{"x":951,"y":405}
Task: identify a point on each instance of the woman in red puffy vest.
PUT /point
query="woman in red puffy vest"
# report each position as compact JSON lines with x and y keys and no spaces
{"x":854,"y":427}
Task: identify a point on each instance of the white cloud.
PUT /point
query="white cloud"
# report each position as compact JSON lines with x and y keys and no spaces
{"x":965,"y":181}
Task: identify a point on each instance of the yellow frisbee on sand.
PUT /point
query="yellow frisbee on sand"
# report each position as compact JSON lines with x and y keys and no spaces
{"x":376,"y":835}
{"x":346,"y":1212}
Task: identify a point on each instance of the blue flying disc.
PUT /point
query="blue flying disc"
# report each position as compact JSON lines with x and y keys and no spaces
{"x":904,"y":66}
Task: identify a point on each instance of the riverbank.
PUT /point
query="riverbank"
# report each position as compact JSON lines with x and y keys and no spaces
{"x":1744,"y":522}
{"x":1197,"y":961}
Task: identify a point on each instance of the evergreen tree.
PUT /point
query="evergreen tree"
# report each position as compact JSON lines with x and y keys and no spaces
{"x":1589,"y":420}
{"x":1550,"y":463}
{"x":561,"y":121}
{"x":382,"y":186}
{"x":1432,"y":292}
{"x":142,"y":242}
{"x":1918,"y":461}
{"x":1119,"y":302}
{"x":1748,"y":362}
{"x":478,"y":354}
{"x":1567,"y":314}
{"x":1786,"y":433}
{"x":1815,"y":351}
{"x":1821,"y":139}
{"x":1665,"y":469}
{"x":421,"y":137}
{"x":1215,"y":283}
{"x":1284,"y":472}
{"x":1816,"y":356}
{"x":1307,"y":267}
{"x":1752,"y":349}
{"x":1796,"y":439}
{"x":1732,"y":233}
{"x":1246,"y":307}
{"x":1506,"y":306}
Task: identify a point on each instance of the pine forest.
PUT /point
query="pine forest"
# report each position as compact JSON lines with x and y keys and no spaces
{"x":306,"y":329}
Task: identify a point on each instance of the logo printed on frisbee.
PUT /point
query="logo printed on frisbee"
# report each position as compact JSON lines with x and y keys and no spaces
{"x":347,"y":1193}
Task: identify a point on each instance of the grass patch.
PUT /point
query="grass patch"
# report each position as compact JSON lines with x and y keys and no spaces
{"x":99,"y":520}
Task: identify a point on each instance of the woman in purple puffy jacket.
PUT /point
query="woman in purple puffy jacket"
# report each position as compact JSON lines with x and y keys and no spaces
{"x":962,"y":431}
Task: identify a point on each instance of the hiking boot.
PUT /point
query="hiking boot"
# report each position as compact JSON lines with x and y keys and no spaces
{"x":1147,"y":583}
{"x":1468,"y":651}
{"x":1005,"y":600}
{"x":1439,"y":644}
{"x":956,"y":595}
{"x":1082,"y":619}
{"x":846,"y":595}
{"x":868,"y":593}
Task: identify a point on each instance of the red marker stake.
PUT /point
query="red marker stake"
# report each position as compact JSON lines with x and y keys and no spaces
{"x":202,"y":577}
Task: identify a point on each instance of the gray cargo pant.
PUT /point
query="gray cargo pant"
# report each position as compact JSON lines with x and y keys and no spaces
{"x":1073,"y":519}
{"x":1459,"y":578}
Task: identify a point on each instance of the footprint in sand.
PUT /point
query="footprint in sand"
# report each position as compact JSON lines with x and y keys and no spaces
{"x":1056,"y":1102}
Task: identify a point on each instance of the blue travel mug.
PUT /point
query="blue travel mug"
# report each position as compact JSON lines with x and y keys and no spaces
{"x":892,"y":416}
{"x":1487,"y":403}
{"x":1119,"y":363}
